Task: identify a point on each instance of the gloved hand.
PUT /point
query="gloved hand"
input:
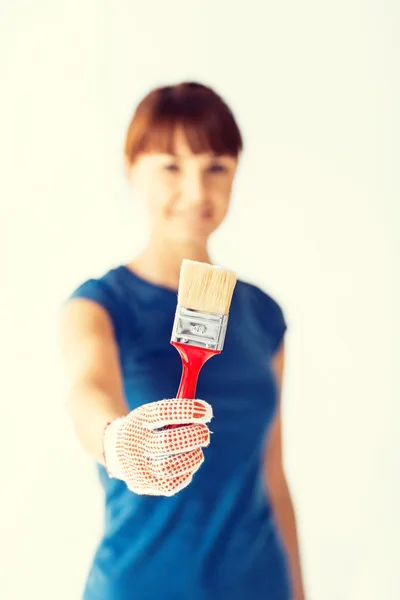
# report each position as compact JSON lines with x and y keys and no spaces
{"x":152,"y":460}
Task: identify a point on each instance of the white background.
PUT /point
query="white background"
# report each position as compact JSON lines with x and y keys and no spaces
{"x":315,"y":222}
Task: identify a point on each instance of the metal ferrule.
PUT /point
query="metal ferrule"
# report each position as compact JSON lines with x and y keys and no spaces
{"x":202,"y":329}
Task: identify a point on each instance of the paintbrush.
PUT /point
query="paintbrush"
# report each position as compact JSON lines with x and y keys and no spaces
{"x":201,"y":319}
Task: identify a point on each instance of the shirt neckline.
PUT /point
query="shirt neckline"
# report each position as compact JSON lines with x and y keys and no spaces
{"x":149,"y":284}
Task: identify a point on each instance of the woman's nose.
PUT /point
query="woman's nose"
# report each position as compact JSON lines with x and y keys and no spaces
{"x":194,"y":189}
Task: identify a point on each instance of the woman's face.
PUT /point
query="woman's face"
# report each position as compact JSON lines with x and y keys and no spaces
{"x":187,"y":195}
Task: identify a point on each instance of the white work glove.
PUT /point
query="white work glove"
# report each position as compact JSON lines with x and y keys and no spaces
{"x":152,"y":460}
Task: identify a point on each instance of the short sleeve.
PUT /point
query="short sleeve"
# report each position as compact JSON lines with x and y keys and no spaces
{"x":98,"y":291}
{"x":272,"y":319}
{"x":279,"y":326}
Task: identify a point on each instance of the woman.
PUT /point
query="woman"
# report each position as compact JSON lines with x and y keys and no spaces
{"x":219,"y":529}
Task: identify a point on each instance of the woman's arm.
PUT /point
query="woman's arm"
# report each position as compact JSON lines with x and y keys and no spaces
{"x":92,"y":361}
{"x":279,"y":491}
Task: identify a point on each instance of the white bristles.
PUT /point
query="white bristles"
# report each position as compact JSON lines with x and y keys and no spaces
{"x":205,"y":287}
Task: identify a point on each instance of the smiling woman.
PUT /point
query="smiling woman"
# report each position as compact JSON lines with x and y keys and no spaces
{"x":214,"y":536}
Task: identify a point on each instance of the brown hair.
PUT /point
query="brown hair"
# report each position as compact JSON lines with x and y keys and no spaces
{"x":207,"y":122}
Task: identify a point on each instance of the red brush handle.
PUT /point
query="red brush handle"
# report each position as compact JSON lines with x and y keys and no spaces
{"x":193,"y":358}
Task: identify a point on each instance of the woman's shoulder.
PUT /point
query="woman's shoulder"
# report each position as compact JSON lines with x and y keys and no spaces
{"x":258,"y":296}
{"x":107,"y":289}
{"x":97,"y":286}
{"x":261,"y":307}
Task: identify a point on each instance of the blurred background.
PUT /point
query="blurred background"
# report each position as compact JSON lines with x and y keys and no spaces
{"x":315,"y":222}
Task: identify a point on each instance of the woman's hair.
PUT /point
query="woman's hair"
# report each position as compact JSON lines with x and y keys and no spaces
{"x":207,"y":122}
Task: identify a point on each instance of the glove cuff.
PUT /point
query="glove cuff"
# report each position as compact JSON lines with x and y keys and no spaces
{"x":110,"y":453}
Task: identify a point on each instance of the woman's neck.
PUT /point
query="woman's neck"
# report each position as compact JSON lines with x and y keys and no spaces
{"x":161,"y":260}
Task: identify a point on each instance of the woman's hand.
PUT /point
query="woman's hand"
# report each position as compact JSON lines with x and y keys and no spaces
{"x":151,"y":459}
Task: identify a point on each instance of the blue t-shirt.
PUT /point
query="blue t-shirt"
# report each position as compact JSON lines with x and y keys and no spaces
{"x":216,"y":539}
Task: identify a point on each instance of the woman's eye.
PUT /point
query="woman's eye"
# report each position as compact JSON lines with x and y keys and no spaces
{"x":217,"y":169}
{"x":172,"y":168}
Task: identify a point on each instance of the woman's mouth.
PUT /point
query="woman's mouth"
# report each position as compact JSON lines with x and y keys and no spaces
{"x":193,"y":215}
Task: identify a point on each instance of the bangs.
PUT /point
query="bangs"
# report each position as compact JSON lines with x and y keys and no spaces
{"x":206,"y":121}
{"x":203,"y":133}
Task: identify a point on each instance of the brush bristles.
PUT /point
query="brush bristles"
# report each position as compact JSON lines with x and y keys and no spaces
{"x":206,"y":288}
